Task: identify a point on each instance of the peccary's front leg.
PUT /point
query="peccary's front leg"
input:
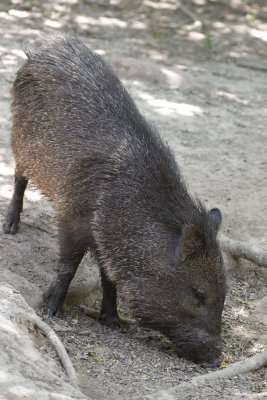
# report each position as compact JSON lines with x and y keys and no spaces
{"x":12,"y":219}
{"x":72,"y":250}
{"x":109,"y":311}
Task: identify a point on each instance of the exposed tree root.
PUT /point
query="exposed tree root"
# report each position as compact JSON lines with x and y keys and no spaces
{"x":59,"y":347}
{"x":252,"y":65}
{"x":241,"y":367}
{"x":92,"y":313}
{"x":245,"y":250}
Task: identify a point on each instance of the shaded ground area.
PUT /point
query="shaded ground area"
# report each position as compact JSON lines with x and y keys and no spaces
{"x":199,"y":73}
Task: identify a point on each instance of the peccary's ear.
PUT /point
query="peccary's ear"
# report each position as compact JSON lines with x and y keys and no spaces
{"x":191,"y":241}
{"x":215,"y":216}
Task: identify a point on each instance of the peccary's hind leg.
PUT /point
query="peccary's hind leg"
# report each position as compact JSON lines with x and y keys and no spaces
{"x":72,"y":250}
{"x":109,"y":311}
{"x":12,"y":219}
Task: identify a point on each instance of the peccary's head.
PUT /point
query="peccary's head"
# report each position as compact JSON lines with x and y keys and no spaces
{"x":183,"y":295}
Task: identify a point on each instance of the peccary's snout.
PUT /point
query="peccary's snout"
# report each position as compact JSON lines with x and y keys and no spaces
{"x":203,"y":349}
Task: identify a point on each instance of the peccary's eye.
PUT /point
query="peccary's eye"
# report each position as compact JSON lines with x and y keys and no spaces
{"x":201,"y":297}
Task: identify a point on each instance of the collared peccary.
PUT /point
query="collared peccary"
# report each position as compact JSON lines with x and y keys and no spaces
{"x":117,"y":192}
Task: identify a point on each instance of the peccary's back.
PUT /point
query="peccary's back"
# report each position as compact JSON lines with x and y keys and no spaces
{"x":72,"y":117}
{"x":69,"y":86}
{"x":78,"y":136}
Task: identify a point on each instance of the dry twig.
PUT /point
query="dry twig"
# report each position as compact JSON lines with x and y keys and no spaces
{"x":59,"y":347}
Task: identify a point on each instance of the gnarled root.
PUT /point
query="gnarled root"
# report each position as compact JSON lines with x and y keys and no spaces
{"x":241,"y":367}
{"x":237,"y":249}
{"x":59,"y":347}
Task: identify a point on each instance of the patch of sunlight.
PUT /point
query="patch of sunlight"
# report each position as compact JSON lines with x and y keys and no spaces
{"x":53,"y":24}
{"x":240,"y":29}
{"x":258,"y":34}
{"x":238,"y":54}
{"x":3,"y":376}
{"x":222,"y":27}
{"x":200,"y":2}
{"x":7,"y":326}
{"x":240,"y":312}
{"x":19,"y":13}
{"x":21,"y":391}
{"x":182,"y":67}
{"x":9,"y":61}
{"x":145,"y":96}
{"x":4,"y":120}
{"x":6,"y":192}
{"x":2,"y":49}
{"x":5,"y":70}
{"x":105,"y":21}
{"x":154,"y":55}
{"x":6,"y":170}
{"x":138,"y":25}
{"x":71,"y":1}
{"x":161,"y":5}
{"x":101,"y":21}
{"x":232,"y":96}
{"x":262,"y":26}
{"x":59,"y":7}
{"x":197,"y":36}
{"x":25,"y":32}
{"x":19,"y":53}
{"x":190,"y":27}
{"x":236,"y":2}
{"x":33,"y":195}
{"x":166,"y":107}
{"x":6,"y":16}
{"x":172,"y":77}
{"x":100,"y":52}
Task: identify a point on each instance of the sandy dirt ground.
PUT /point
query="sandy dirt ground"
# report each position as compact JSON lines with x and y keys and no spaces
{"x":200,"y":74}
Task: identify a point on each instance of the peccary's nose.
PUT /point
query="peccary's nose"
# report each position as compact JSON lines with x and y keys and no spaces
{"x":204,"y":349}
{"x":212,"y":364}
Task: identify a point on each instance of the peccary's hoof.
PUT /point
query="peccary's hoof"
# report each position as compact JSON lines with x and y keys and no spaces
{"x":10,"y":229}
{"x":11,"y":223}
{"x":51,"y":312}
{"x":54,"y":307}
{"x":113,"y":323}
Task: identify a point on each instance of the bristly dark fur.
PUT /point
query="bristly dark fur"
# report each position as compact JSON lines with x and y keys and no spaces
{"x":116,"y":187}
{"x":144,"y":161}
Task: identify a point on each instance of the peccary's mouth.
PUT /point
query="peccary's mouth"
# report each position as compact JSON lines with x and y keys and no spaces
{"x":207,"y":354}
{"x":215,"y":363}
